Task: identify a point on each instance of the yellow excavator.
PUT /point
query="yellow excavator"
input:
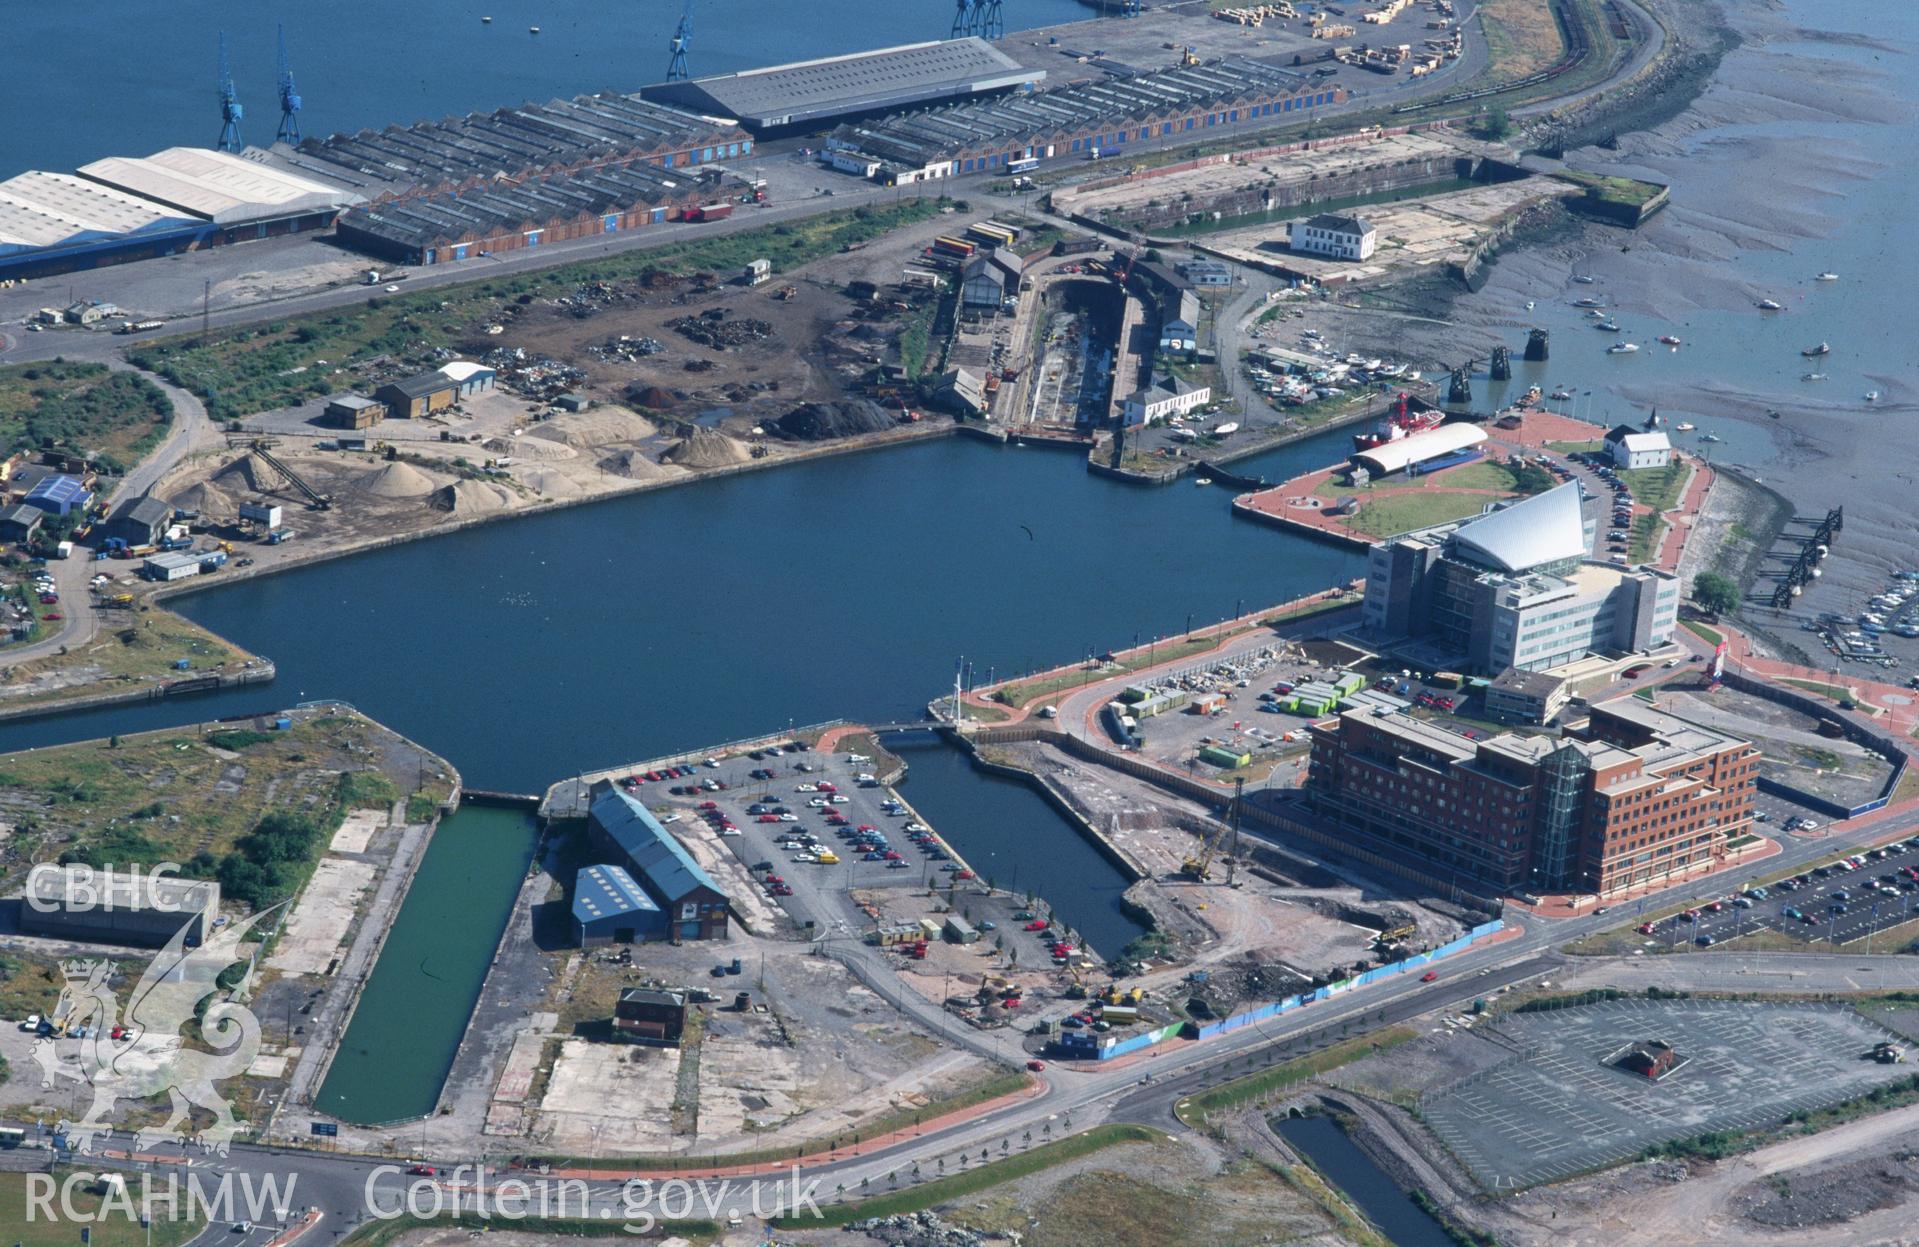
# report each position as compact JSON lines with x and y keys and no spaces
{"x":1199,"y":866}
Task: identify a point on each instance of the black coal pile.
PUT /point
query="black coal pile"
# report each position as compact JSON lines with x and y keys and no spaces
{"x":716,"y":329}
{"x":820,"y":422}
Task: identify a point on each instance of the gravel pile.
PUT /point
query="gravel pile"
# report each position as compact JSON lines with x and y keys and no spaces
{"x":921,"y":1229}
{"x":819,"y":422}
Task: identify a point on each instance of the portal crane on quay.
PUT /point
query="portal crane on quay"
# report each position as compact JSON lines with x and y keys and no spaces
{"x":289,"y":98}
{"x":230,"y":110}
{"x":991,"y":21}
{"x":676,"y":70}
{"x":965,"y":19}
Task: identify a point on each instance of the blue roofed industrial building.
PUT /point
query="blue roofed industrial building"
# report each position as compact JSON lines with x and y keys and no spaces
{"x":59,"y":494}
{"x":610,"y":908}
{"x":624,"y":832}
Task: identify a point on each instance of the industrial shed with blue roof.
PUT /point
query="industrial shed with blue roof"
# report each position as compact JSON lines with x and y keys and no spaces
{"x":609,"y":908}
{"x":59,"y":494}
{"x":625,"y":832}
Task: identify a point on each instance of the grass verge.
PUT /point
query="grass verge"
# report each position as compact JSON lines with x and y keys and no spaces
{"x":1195,"y":1109}
{"x":1710,"y":636}
{"x":954,"y":1186}
{"x":109,"y":1229}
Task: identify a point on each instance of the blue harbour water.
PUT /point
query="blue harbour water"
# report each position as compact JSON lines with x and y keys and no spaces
{"x":129,"y":77}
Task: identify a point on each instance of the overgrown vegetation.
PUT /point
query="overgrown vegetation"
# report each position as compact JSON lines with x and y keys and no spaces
{"x":277,"y":365}
{"x":237,"y":738}
{"x":112,"y":418}
{"x":1195,"y":1109}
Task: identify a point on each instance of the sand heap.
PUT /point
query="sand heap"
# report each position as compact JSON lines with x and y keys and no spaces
{"x":396,"y":480}
{"x":209,"y":500}
{"x":603,"y":426}
{"x":706,"y":448}
{"x":467,"y":499}
{"x":529,"y":447}
{"x":550,"y":483}
{"x":251,"y":473}
{"x":634,"y":466}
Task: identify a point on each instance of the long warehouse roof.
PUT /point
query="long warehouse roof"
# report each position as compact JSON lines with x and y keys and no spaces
{"x":217,"y":186}
{"x":484,"y":210}
{"x":506,"y":143}
{"x":779,"y":95}
{"x":57,"y":209}
{"x":1419,"y":447}
{"x":934,"y":134}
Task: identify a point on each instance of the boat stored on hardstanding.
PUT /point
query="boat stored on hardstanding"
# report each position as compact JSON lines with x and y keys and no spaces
{"x":1771,"y":305}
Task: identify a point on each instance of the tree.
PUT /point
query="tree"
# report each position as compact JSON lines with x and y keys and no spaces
{"x":1715,"y":593}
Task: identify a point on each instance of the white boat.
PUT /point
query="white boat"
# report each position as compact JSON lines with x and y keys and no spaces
{"x":1814,"y":352}
{"x":1812,"y":376}
{"x":1711,"y":437}
{"x":1583,"y":279}
{"x":1622,"y":348}
{"x":1771,"y":305}
{"x":1588,"y":301}
{"x":1684,"y":426}
{"x":1561,"y":394}
{"x":532,"y":30}
{"x":1872,"y":396}
{"x":1827,"y":276}
{"x":1529,"y":305}
{"x":1221,"y":430}
{"x":1204,"y":480}
{"x":486,"y":21}
{"x":1669,"y":339}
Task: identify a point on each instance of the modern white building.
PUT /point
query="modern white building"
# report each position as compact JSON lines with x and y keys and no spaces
{"x":1166,"y":397}
{"x":1513,"y":589}
{"x":1637,"y":448}
{"x":1336,"y":236}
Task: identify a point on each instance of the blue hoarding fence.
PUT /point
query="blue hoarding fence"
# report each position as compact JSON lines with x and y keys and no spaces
{"x":1083,"y":1046}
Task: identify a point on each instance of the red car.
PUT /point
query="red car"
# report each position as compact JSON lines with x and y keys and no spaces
{"x":767,"y":818}
{"x":1036,"y":1066}
{"x":423,"y":1171}
{"x":709,"y":805}
{"x":1037,"y":924}
{"x":1644,"y":928}
{"x":962,"y":874}
{"x":774,"y":879}
{"x":51,"y":615}
{"x":1430,"y":976}
{"x":868,"y":827}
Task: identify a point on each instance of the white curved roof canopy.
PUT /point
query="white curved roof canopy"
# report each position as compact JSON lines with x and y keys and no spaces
{"x":1419,"y":447}
{"x":1545,"y":528}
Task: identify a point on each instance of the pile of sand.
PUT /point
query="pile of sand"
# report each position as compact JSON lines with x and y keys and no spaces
{"x":467,"y":499}
{"x":396,"y":480}
{"x":251,"y":473}
{"x":603,"y":426}
{"x":530,"y":447}
{"x":634,"y":466}
{"x":549,"y":483}
{"x":209,"y":500}
{"x":705,"y":448}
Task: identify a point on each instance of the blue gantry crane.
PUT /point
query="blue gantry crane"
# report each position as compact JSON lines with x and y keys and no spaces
{"x":676,"y":70}
{"x":991,"y":23}
{"x":289,"y":98}
{"x":965,"y":18}
{"x":230,"y":110}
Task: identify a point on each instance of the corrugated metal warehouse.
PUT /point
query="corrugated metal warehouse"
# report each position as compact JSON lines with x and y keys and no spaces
{"x":837,"y":88}
{"x":136,"y":207}
{"x":1083,"y":118}
{"x":609,"y":907}
{"x":513,"y":144}
{"x":622,"y":829}
{"x":489,"y":219}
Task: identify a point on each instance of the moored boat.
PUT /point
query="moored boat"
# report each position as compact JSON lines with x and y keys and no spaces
{"x":1813,"y":352}
{"x":1622,"y":348}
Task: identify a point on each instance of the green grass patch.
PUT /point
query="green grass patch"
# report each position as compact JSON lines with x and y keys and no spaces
{"x":111,"y":418}
{"x":971,"y":1182}
{"x":1630,"y":192}
{"x":1592,"y":447}
{"x":1194,"y":1109}
{"x":1831,"y":692}
{"x":1711,"y":636}
{"x":1657,"y":488}
{"x":421,"y":807}
{"x":237,"y":738}
{"x":1393,"y":514}
{"x":277,"y":364}
{"x":116,"y":1228}
{"x":1648,"y":533}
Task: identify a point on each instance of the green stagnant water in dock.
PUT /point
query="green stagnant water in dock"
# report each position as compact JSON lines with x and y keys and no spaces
{"x":414,"y":1009}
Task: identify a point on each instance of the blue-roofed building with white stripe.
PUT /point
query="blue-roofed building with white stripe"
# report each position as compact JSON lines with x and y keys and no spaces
{"x":610,"y":908}
{"x":624,"y":833}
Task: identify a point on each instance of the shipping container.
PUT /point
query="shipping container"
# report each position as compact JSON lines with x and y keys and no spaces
{"x":954,"y":247}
